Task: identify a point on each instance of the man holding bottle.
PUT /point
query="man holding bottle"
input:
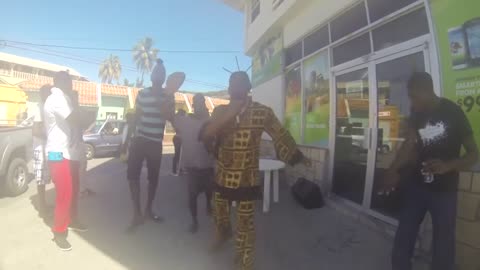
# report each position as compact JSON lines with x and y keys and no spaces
{"x":438,"y":129}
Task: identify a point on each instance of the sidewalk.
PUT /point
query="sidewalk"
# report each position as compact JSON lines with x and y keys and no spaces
{"x":288,"y":237}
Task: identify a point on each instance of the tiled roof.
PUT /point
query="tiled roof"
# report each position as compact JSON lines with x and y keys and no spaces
{"x":220,"y":101}
{"x":114,"y":90}
{"x":179,"y":97}
{"x":36,"y":84}
{"x":88,"y":92}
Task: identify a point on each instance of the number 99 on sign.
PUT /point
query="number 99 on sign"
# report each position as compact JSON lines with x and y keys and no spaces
{"x":469,"y":103}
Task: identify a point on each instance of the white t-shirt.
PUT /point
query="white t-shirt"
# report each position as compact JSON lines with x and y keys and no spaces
{"x":60,"y":136}
{"x":38,"y":143}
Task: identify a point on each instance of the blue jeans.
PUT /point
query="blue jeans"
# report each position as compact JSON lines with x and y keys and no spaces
{"x":442,"y":207}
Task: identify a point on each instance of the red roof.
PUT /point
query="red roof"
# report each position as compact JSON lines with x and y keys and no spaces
{"x":87,"y":92}
{"x":114,"y":90}
{"x":220,"y":101}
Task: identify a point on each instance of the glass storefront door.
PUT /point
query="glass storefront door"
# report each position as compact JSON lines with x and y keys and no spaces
{"x":371,"y":114}
{"x":393,"y":110}
{"x":351,"y":139}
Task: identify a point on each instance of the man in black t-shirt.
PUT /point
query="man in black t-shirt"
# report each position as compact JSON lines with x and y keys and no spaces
{"x":438,"y":129}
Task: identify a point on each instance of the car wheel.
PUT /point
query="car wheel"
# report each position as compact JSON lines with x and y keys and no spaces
{"x":89,"y":151}
{"x":17,"y":177}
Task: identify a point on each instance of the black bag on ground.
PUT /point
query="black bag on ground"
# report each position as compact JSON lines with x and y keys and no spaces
{"x":307,"y":194}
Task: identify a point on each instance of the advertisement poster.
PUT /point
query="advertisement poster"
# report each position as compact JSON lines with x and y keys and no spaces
{"x":268,"y":60}
{"x":457,"y":26}
{"x":317,"y":100}
{"x":293,"y":103}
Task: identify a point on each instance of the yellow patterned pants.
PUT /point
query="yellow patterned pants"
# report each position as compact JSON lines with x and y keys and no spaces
{"x":245,"y":238}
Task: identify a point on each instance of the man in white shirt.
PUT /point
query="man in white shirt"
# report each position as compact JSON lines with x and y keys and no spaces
{"x":63,"y":157}
{"x":40,"y":166}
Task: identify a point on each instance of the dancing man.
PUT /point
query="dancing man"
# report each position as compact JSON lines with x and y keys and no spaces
{"x":152,"y":108}
{"x":234,"y":135}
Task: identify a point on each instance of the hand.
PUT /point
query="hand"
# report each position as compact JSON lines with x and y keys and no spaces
{"x":437,"y":166}
{"x":174,"y":82}
{"x":390,"y":182}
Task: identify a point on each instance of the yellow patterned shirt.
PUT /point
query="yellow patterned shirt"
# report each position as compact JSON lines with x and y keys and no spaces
{"x":238,"y":150}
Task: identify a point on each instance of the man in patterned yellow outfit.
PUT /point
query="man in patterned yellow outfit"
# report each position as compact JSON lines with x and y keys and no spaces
{"x":234,"y":135}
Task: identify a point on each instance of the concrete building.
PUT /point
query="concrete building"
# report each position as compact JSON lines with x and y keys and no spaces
{"x":336,"y":72}
{"x":27,"y":68}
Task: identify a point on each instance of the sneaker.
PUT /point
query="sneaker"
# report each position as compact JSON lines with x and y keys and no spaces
{"x":174,"y":174}
{"x":62,"y":243}
{"x":77,"y":226}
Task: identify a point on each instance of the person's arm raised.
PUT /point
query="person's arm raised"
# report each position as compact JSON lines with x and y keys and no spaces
{"x":220,"y":117}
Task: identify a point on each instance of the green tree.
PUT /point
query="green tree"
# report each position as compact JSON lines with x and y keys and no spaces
{"x":110,"y":69}
{"x":145,"y":56}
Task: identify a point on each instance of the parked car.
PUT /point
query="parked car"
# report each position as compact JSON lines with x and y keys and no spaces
{"x":15,"y":153}
{"x":104,"y":138}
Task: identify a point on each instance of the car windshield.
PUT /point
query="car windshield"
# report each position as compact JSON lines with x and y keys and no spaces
{"x":94,"y":128}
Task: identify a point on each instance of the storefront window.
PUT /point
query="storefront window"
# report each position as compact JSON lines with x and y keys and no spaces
{"x":316,"y":41}
{"x":352,"y":49}
{"x":294,"y":53}
{"x":400,"y":30}
{"x":293,"y":103}
{"x":255,"y":10}
{"x":317,"y":99}
{"x":381,"y":8}
{"x":349,"y":22}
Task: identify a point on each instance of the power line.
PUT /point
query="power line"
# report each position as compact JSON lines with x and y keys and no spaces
{"x":117,"y":49}
{"x":98,"y":62}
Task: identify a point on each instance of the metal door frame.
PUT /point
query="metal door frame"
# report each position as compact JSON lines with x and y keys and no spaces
{"x":421,"y":44}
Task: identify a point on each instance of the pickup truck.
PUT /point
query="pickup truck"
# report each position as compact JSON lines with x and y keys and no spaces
{"x":15,"y":154}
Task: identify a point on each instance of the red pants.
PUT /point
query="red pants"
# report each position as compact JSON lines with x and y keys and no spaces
{"x":66,"y":177}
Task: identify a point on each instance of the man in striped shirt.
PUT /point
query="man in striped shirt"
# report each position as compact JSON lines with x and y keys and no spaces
{"x":152,"y":107}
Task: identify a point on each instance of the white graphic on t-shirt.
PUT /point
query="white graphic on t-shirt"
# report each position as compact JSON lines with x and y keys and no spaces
{"x":433,"y":133}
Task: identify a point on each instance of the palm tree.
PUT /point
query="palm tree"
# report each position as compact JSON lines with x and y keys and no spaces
{"x":145,"y":56}
{"x":110,"y":69}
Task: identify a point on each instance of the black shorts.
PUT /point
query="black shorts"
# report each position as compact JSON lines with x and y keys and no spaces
{"x":144,"y":149}
{"x":199,"y":180}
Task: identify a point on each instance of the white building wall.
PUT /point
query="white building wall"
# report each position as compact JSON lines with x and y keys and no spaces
{"x":312,"y":15}
{"x":271,"y":94}
{"x":265,"y":20}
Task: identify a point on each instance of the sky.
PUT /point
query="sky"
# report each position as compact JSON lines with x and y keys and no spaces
{"x":172,"y":24}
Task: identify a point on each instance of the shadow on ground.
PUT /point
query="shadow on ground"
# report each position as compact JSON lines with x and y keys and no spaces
{"x":288,"y":237}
